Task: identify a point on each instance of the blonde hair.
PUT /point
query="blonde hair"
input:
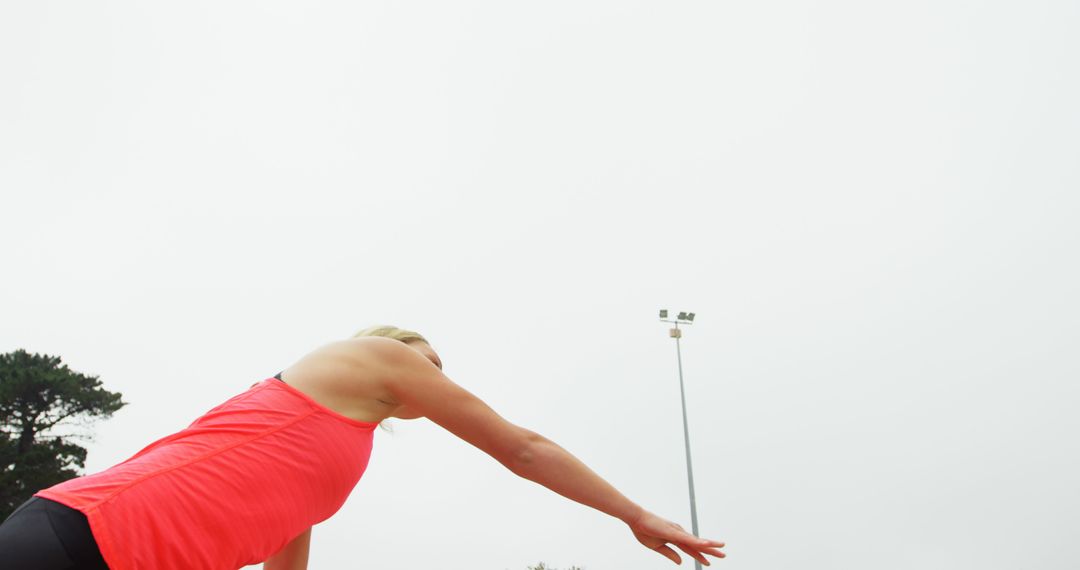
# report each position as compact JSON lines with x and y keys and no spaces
{"x":390,"y":331}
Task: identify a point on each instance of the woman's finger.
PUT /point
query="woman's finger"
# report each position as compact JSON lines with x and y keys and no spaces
{"x":693,"y":554}
{"x":668,"y":553}
{"x":686,"y":538}
{"x":713,"y":552}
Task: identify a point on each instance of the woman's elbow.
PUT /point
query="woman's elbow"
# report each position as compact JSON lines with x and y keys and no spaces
{"x":526,"y":450}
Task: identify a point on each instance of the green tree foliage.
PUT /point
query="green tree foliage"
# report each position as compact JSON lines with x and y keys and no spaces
{"x":39,"y":396}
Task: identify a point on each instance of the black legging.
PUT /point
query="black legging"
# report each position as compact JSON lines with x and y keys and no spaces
{"x":45,"y":535}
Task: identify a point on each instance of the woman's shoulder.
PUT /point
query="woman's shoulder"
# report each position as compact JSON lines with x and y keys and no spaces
{"x":343,"y":376}
{"x":361,"y":351}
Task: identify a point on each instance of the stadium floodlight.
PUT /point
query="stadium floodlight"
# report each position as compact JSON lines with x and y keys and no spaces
{"x":676,"y":333}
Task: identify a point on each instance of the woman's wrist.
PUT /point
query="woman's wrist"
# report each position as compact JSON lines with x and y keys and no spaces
{"x":633,"y":514}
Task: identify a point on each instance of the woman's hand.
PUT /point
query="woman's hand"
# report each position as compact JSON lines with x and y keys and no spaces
{"x":655,"y":532}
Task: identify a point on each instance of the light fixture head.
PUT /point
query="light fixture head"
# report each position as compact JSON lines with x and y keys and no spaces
{"x":690,"y":317}
{"x":682,"y":316}
{"x":663,"y":313}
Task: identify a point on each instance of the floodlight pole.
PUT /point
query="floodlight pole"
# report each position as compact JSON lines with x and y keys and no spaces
{"x":676,"y":333}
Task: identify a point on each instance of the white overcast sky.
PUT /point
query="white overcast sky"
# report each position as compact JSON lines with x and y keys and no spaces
{"x":872,"y":208}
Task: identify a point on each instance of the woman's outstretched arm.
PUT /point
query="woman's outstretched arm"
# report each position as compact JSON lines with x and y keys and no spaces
{"x":417,"y":383}
{"x":550,"y":465}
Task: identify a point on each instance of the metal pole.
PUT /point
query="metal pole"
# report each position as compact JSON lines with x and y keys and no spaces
{"x":686,"y":434}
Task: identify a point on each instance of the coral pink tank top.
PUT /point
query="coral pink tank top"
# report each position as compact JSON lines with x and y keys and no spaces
{"x":230,"y":490}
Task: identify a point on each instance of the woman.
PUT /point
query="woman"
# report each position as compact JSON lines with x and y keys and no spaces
{"x":246,"y":481}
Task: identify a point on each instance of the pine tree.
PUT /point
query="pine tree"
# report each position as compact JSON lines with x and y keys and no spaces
{"x":37,"y":395}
